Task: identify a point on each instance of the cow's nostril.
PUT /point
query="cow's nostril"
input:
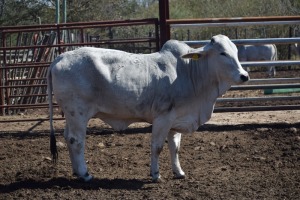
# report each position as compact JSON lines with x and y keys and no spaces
{"x":244,"y":78}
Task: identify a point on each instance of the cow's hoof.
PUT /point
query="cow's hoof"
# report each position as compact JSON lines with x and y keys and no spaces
{"x":181,"y":176}
{"x":86,"y":178}
{"x":157,"y":180}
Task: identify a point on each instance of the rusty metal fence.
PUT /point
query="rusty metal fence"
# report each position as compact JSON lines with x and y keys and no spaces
{"x":27,"y":51}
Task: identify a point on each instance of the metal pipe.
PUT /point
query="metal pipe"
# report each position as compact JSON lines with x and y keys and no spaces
{"x":270,"y":63}
{"x":250,"y":41}
{"x":57,"y":11}
{"x":273,"y":81}
{"x":245,"y":99}
{"x":233,"y":20}
{"x":73,"y":25}
{"x":256,"y":108}
{"x":230,"y":24}
{"x":101,"y":42}
{"x":268,"y":86}
{"x":64,"y":11}
{"x":28,"y":120}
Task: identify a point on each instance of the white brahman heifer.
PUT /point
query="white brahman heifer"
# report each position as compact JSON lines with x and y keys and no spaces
{"x":175,"y":89}
{"x":266,"y":52}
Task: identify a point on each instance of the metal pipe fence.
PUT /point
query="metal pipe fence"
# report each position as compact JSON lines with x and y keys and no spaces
{"x":239,"y":104}
{"x":27,"y":51}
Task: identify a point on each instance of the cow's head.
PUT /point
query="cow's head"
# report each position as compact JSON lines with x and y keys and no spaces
{"x":221,"y":56}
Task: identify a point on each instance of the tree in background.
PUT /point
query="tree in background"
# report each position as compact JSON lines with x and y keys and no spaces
{"x":21,"y":12}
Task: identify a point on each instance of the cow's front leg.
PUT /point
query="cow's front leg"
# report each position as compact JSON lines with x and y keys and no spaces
{"x":174,"y":139}
{"x":160,"y":129}
{"x":75,"y":138}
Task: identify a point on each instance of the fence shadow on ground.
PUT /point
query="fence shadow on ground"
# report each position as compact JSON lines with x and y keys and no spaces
{"x":69,"y":184}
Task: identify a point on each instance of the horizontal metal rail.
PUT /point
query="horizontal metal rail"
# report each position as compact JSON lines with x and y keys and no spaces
{"x":31,"y":64}
{"x":24,"y":86}
{"x":235,"y":21}
{"x":258,"y":41}
{"x":235,"y":87}
{"x":230,"y":24}
{"x":131,"y":22}
{"x":256,"y":108}
{"x":270,"y":63}
{"x":267,"y":86}
{"x":103,"y":42}
{"x":30,"y":120}
{"x":15,"y":106}
{"x":245,"y":99}
{"x":273,"y":81}
{"x":31,"y":95}
{"x":25,"y":79}
{"x":24,"y":66}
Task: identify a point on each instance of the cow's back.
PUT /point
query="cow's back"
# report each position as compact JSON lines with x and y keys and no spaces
{"x":256,"y":52}
{"x":112,"y":81}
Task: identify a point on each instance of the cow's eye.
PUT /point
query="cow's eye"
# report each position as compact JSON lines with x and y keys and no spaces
{"x":223,"y":54}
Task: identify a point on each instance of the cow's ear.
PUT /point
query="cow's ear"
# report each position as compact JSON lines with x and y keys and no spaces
{"x":194,"y":56}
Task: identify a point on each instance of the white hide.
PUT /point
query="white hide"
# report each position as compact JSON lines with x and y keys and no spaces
{"x":175,"y":89}
{"x":266,"y":52}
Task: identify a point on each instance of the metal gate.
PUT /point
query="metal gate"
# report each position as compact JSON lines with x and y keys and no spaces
{"x":27,"y":51}
{"x":242,"y":104}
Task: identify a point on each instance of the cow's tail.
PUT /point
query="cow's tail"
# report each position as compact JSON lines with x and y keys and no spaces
{"x":53,"y":147}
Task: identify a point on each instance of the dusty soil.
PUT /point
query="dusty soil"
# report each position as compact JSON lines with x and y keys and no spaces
{"x":234,"y":156}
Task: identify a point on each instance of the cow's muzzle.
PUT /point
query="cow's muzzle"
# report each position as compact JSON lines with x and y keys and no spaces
{"x":245,"y":78}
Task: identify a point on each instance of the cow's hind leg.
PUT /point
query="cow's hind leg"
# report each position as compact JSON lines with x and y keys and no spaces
{"x":174,"y":139}
{"x":271,"y":72}
{"x":75,"y":133}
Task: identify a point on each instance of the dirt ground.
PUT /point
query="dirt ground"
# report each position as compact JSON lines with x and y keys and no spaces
{"x":252,"y":155}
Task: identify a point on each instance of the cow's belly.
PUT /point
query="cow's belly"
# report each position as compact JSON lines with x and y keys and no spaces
{"x":118,"y":125}
{"x":118,"y":122}
{"x":183,"y":125}
{"x":187,"y":124}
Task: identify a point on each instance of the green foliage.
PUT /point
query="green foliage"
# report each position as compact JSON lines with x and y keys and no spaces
{"x":225,"y":8}
{"x":21,"y":12}
{"x":25,"y":12}
{"x":17,"y":12}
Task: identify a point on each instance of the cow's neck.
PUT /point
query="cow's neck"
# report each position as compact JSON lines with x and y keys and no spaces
{"x":207,"y":87}
{"x":205,"y":79}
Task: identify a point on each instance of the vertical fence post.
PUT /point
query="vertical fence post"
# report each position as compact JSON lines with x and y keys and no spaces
{"x":2,"y":91}
{"x":5,"y":84}
{"x":150,"y":43}
{"x":163,"y":16}
{"x":58,"y":37}
{"x":57,"y":11}
{"x":290,"y":46}
{"x":81,"y":35}
{"x":157,"y":35}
